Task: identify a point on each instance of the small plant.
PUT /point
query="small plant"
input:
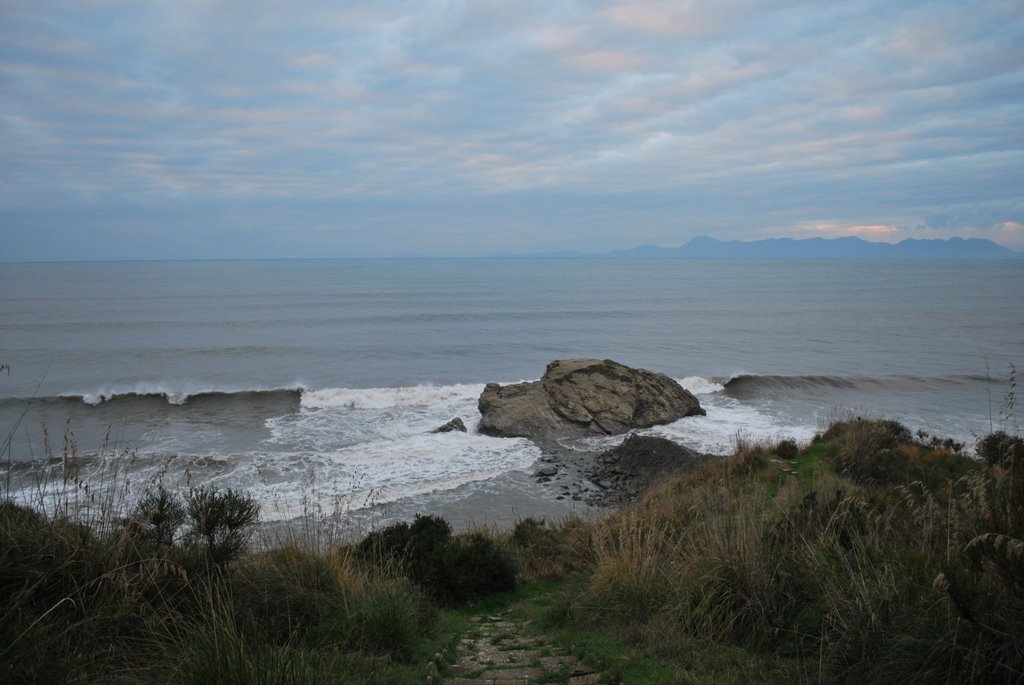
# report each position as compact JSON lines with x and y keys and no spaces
{"x":529,"y":532}
{"x":221,"y":522}
{"x":160,"y":514}
{"x":787,"y":449}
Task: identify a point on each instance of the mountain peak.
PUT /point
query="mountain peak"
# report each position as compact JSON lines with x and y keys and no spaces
{"x":846,"y":247}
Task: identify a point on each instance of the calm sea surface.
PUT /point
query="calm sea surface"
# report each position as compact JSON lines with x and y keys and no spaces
{"x":320,"y":380}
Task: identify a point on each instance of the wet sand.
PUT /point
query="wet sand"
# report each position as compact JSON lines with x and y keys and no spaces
{"x":496,"y":503}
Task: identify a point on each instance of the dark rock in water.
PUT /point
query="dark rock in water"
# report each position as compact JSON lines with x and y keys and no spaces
{"x":641,"y":461}
{"x":455,"y":424}
{"x":546,"y":471}
{"x":579,"y":397}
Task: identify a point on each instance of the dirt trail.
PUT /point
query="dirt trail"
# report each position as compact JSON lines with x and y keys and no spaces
{"x":500,"y":650}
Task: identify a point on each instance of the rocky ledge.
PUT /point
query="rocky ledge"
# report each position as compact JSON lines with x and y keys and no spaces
{"x":580,"y":397}
{"x":622,"y":473}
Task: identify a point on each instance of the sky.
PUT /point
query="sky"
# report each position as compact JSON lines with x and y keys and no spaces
{"x":258,"y":128}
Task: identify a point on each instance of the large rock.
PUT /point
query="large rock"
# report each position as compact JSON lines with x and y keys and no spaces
{"x":579,"y":397}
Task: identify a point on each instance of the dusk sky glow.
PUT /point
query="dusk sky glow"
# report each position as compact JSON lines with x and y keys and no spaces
{"x":230,"y":129}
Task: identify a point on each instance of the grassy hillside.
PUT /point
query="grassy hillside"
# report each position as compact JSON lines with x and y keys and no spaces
{"x":870,"y":555}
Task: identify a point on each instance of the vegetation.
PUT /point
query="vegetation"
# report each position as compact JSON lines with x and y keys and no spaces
{"x":451,"y":569}
{"x":870,"y":555}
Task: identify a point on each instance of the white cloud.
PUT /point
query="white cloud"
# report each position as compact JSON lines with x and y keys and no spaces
{"x":881,"y":115}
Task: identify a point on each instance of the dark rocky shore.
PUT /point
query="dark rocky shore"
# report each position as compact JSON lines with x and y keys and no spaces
{"x":616,"y":476}
{"x":586,"y":397}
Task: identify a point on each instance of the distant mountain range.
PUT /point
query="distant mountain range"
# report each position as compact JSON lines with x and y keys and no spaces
{"x":705,"y":247}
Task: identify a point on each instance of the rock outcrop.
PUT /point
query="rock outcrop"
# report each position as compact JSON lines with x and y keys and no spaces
{"x":623,"y":472}
{"x":579,"y":397}
{"x":455,"y":424}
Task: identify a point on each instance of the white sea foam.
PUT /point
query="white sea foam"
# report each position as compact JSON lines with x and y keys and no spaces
{"x":290,"y":484}
{"x":699,"y":385}
{"x":376,"y":472}
{"x":375,"y":445}
{"x":728,"y":419}
{"x":382,"y":398}
{"x":174,"y":393}
{"x":338,"y":418}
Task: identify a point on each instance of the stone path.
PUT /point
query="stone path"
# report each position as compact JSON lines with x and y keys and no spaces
{"x":499,"y":651}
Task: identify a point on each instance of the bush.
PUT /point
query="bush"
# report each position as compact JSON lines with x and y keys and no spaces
{"x":417,"y":550}
{"x":787,"y":449}
{"x":288,"y":595}
{"x":215,"y":652}
{"x":451,"y":569}
{"x":221,"y":522}
{"x":67,"y":594}
{"x":544,"y":552}
{"x":160,"y":514}
{"x":530,"y":532}
{"x":865,"y":450}
{"x":387,"y":618}
{"x":1001,"y":448}
{"x":476,"y":567}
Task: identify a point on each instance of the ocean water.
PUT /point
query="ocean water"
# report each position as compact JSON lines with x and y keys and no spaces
{"x":315,"y":384}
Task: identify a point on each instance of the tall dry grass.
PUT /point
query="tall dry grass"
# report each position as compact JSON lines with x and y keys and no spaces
{"x":869,"y":556}
{"x":97,"y":585}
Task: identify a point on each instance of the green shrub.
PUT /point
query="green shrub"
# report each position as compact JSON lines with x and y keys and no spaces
{"x":221,"y":522}
{"x":451,"y":569}
{"x":417,"y":549}
{"x":1001,"y":448}
{"x":288,"y":596}
{"x":865,"y":450}
{"x":787,"y":449}
{"x":67,"y":597}
{"x":388,"y":618}
{"x":530,"y":532}
{"x":476,"y":567}
{"x":545,"y":552}
{"x":214,"y":651}
{"x":160,"y":514}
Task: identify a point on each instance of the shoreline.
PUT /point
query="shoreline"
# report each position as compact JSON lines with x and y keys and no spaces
{"x":496,"y":503}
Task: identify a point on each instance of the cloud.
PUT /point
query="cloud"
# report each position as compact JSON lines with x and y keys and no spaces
{"x":876,"y":233}
{"x":612,"y":61}
{"x":674,"y":17}
{"x":1009,"y":233}
{"x":729,"y":117}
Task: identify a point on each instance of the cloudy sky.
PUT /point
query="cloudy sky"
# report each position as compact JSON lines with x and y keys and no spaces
{"x":259,"y":128}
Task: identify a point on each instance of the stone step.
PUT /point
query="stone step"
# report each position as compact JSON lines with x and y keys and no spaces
{"x":502,"y":651}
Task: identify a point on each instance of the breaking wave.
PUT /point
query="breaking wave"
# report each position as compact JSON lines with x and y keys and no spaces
{"x":752,"y":385}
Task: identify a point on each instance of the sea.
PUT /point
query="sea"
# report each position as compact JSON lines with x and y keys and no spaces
{"x":314,"y":385}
